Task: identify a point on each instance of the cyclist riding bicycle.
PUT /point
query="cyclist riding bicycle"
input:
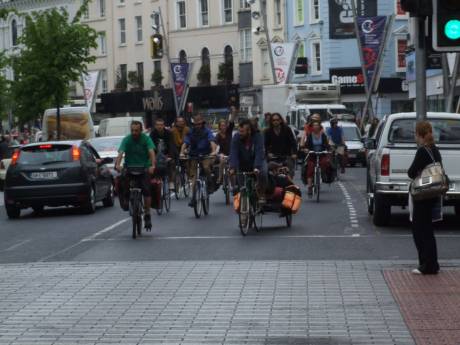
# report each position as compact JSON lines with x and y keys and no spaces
{"x":280,"y":142}
{"x":200,"y":142}
{"x":337,"y":139}
{"x":138,"y":151}
{"x":224,"y":141}
{"x":247,"y":155}
{"x":316,"y":142}
{"x":166,"y":151}
{"x":179,"y":132}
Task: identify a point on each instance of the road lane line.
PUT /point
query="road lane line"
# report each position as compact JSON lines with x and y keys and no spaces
{"x":14,"y":246}
{"x":351,"y":208}
{"x":2,"y":201}
{"x":86,"y":239}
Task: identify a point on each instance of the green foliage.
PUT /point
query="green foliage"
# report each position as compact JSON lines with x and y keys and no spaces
{"x":4,"y":88}
{"x":225,"y":74}
{"x":157,"y":77}
{"x":204,"y":75}
{"x":56,"y":51}
{"x":135,"y":80}
{"x":121,"y":83}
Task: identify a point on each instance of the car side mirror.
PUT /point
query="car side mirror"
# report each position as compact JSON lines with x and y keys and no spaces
{"x":107,"y":160}
{"x":371,"y":144}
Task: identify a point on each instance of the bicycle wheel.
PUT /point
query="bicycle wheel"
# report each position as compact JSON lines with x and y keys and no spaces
{"x":134,"y":211}
{"x":244,"y":215}
{"x":256,"y":216}
{"x":205,"y":201}
{"x":185,"y":184}
{"x":226,"y":188}
{"x":198,"y":207}
{"x":166,"y":195}
{"x":177,"y":184}
{"x":161,"y":206}
{"x":139,"y":223}
{"x":318,"y":184}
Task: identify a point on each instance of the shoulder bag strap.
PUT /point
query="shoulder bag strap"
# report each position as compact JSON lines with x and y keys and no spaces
{"x":430,"y":153}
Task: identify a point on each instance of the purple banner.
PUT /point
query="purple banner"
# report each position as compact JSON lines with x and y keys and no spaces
{"x":371,"y":34}
{"x":180,"y":75}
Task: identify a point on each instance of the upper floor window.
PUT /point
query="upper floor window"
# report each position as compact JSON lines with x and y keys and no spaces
{"x":299,"y":12}
{"x":182,"y":56}
{"x":181,"y":14}
{"x":121,"y":2}
{"x":277,"y":13}
{"x":14,"y":33}
{"x":139,"y":33}
{"x":228,"y":11}
{"x":245,"y":45}
{"x":203,"y":12}
{"x":122,"y":27}
{"x":401,"y":48}
{"x":316,"y":58}
{"x":244,"y":4}
{"x":102,"y":43}
{"x":205,"y":60}
{"x":102,"y":8}
{"x":314,"y":11}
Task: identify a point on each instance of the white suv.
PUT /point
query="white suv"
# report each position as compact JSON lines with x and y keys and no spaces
{"x":391,"y":152}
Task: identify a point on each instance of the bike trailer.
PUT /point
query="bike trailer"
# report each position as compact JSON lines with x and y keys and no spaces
{"x":292,"y":199}
{"x":155,"y":191}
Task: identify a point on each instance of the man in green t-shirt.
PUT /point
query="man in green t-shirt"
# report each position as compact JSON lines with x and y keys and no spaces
{"x":139,"y":152}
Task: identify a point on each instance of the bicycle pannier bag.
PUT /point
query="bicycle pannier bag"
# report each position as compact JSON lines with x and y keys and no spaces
{"x":155,"y":190}
{"x":431,"y":183}
{"x":236,"y":202}
{"x":292,"y":199}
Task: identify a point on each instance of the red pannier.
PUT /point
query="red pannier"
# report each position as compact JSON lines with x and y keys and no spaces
{"x":155,"y":191}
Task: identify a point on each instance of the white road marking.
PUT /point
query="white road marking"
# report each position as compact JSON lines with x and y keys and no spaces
{"x":351,"y":208}
{"x":2,"y":201}
{"x":14,"y":246}
{"x":86,"y":239}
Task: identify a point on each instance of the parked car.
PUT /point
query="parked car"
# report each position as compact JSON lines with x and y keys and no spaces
{"x":391,"y":152}
{"x":107,"y":147}
{"x":356,"y":152}
{"x":65,"y":173}
{"x":4,"y":164}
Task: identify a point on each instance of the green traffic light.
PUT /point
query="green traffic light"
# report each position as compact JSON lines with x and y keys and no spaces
{"x":452,"y":29}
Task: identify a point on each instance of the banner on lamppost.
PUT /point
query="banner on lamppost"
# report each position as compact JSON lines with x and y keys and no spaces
{"x":90,"y":81}
{"x":282,"y":60}
{"x":371,"y":32}
{"x":341,"y":17}
{"x":180,"y":73}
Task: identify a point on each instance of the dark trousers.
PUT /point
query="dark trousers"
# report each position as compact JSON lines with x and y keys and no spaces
{"x":423,"y":232}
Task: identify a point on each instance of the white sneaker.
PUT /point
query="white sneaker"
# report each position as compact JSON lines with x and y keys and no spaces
{"x":416,"y":271}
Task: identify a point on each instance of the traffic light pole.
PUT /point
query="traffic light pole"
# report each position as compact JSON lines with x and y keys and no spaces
{"x":420,"y":67}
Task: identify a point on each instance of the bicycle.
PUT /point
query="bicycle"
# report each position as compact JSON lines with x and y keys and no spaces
{"x":226,"y":182}
{"x":181,"y":183}
{"x":136,"y":201}
{"x":317,"y":174}
{"x":249,"y":209}
{"x":165,"y":197}
{"x":200,"y":194}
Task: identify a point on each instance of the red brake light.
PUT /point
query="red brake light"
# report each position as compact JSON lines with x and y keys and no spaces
{"x":15,"y":157}
{"x":76,"y":153}
{"x":385,"y":165}
{"x":46,"y":146}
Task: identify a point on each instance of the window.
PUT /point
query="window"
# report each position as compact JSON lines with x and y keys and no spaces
{"x":122,"y":27}
{"x":86,"y":14}
{"x":301,"y":50}
{"x":316,"y":58}
{"x":101,"y":8}
{"x":139,"y":34}
{"x":245,"y":45}
{"x":102,"y":43}
{"x":103,"y":84}
{"x":265,"y":63}
{"x":181,"y":14}
{"x":244,"y":4}
{"x":401,"y":47}
{"x":314,"y":11}
{"x":228,"y":11}
{"x":299,"y":12}
{"x":228,"y":59}
{"x":124,"y":73}
{"x":14,"y":33}
{"x":157,"y":66}
{"x":182,"y":56}
{"x":121,"y":2}
{"x":445,"y":131}
{"x":140,"y":74}
{"x":203,"y":12}
{"x":277,"y":12}
{"x":205,"y":60}
{"x":400,"y":13}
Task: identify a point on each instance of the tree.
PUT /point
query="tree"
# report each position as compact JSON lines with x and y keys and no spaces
{"x":4,"y":88}
{"x":157,"y":77}
{"x":135,"y":80}
{"x":225,"y":74}
{"x":204,"y":75}
{"x":121,"y":82}
{"x":56,"y":51}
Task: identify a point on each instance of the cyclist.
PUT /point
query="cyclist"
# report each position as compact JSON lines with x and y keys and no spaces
{"x":280,"y":142}
{"x":166,"y":151}
{"x":138,"y":151}
{"x":316,"y":142}
{"x":247,"y":155}
{"x":200,"y":142}
{"x":264,"y":122}
{"x":337,"y":139}
{"x":224,"y":141}
{"x":179,"y":132}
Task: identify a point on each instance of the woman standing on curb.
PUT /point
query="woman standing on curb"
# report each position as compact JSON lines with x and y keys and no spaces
{"x":422,"y":223}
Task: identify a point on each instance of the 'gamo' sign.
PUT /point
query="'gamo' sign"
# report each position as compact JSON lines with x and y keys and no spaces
{"x":351,"y":80}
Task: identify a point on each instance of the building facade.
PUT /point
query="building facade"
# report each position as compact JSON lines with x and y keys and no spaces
{"x":325,"y":33}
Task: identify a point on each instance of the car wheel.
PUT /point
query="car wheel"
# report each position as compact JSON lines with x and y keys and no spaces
{"x":109,"y":200}
{"x":13,"y":212}
{"x":90,"y":206}
{"x":370,"y":200}
{"x":381,"y":211}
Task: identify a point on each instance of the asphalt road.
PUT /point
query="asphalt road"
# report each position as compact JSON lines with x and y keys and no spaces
{"x":338,"y":228}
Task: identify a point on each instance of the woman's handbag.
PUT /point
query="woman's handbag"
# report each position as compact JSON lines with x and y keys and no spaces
{"x":431,"y":183}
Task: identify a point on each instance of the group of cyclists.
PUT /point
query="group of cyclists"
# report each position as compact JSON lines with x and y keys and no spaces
{"x":256,"y":147}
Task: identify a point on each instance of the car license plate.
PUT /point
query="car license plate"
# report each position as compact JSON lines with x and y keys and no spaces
{"x":45,"y":175}
{"x":352,"y":155}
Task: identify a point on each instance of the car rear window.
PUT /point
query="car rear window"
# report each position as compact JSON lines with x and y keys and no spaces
{"x":106,"y":144}
{"x":446,"y":131}
{"x":351,"y":134}
{"x":45,"y":154}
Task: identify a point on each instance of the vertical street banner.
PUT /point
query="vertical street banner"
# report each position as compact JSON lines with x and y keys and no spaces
{"x":90,"y":81}
{"x":341,"y":19}
{"x":180,"y":73}
{"x":371,"y":31}
{"x":282,"y":60}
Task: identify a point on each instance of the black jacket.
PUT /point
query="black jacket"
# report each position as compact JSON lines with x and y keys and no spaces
{"x":283,"y":145}
{"x":423,"y":159}
{"x":169,"y":148}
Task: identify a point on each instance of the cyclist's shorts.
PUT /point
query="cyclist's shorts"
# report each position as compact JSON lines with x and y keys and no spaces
{"x":143,"y":182}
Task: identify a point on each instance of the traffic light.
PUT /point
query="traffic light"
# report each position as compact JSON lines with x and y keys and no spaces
{"x":446,"y":25}
{"x":417,"y":8}
{"x":156,"y":43}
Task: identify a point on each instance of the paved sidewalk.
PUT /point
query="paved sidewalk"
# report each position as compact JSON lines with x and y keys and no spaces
{"x":220,"y":302}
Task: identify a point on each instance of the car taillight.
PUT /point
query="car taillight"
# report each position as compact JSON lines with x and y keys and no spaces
{"x":46,"y":147}
{"x":76,"y":153}
{"x":385,"y":165}
{"x":15,"y":157}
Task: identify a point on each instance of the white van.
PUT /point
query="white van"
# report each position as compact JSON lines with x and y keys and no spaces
{"x":76,"y":124}
{"x":116,"y":126}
